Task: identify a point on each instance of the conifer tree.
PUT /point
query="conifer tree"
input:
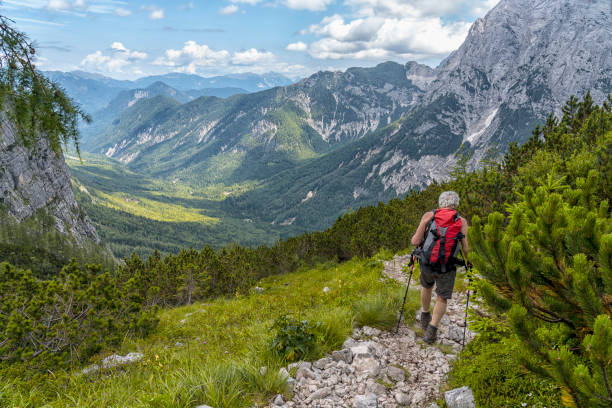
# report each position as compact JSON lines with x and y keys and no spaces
{"x":38,"y":107}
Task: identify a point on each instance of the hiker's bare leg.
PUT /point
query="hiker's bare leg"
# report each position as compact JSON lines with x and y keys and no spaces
{"x":439,"y":310}
{"x":426,"y":299}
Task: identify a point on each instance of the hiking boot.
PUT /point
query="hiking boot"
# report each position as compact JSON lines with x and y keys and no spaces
{"x":425,"y":319}
{"x":430,"y":334}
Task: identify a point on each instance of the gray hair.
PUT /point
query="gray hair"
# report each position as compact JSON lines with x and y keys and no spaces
{"x":448,"y":199}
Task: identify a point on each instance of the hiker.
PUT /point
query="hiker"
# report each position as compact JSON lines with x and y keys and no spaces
{"x":438,"y":245}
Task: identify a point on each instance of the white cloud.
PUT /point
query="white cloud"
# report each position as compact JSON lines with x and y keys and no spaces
{"x":312,"y":5}
{"x":251,"y":57}
{"x":197,"y":58}
{"x":119,"y":58}
{"x":417,"y":8}
{"x":122,"y":12}
{"x":193,"y":53}
{"x":377,"y":37}
{"x":231,"y":9}
{"x":297,"y":46}
{"x":156,"y":13}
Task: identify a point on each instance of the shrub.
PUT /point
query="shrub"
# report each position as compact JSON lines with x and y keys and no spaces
{"x":67,"y":319}
{"x":294,"y":339}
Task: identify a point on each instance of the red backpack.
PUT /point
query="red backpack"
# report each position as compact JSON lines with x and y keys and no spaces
{"x":442,"y":240}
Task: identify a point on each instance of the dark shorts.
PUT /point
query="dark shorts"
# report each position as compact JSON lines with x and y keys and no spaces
{"x":445,"y":282}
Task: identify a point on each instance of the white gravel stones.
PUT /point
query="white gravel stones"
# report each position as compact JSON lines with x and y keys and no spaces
{"x":365,"y":401}
{"x":460,"y":398}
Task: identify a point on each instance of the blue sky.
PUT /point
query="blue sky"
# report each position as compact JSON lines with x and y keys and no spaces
{"x":130,"y":39}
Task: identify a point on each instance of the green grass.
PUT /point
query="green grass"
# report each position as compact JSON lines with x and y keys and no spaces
{"x":225,"y":342}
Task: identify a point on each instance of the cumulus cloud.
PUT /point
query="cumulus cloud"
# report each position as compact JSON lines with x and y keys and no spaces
{"x":375,"y":37}
{"x":231,"y":9}
{"x":251,"y":57}
{"x":197,"y":58}
{"x":119,"y":57}
{"x":193,"y":54}
{"x":394,"y":29}
{"x":297,"y":46}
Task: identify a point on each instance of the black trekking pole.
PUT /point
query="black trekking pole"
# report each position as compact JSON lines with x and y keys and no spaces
{"x":467,"y":304}
{"x":411,"y":264}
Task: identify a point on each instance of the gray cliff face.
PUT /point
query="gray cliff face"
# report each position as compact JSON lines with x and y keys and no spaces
{"x":518,"y":64}
{"x":37,"y":178}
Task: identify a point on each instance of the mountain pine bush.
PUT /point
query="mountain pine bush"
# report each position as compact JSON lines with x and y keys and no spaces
{"x":65,"y":320}
{"x":546,"y":261}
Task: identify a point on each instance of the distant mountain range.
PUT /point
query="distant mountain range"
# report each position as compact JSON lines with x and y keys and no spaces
{"x":94,"y":91}
{"x":340,"y":140}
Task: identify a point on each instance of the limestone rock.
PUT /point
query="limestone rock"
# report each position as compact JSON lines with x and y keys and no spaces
{"x":460,"y":398}
{"x":401,"y":398}
{"x":365,"y":401}
{"x":345,"y":355}
{"x":396,"y":374}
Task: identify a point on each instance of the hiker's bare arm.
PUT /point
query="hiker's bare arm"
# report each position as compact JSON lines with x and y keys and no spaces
{"x":464,"y":241}
{"x":419,"y":235}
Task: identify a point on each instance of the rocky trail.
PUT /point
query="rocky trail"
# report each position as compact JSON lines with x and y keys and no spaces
{"x":380,"y":368}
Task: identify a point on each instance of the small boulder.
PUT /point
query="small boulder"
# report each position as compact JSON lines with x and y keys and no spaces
{"x":343,"y":355}
{"x":326,"y":289}
{"x":455,"y":333}
{"x":460,"y":398}
{"x":318,"y":394}
{"x":283,"y":373}
{"x":366,"y":364}
{"x":365,"y":401}
{"x":321,"y":363}
{"x":304,"y":372}
{"x":401,"y":398}
{"x":279,"y":401}
{"x":396,"y":374}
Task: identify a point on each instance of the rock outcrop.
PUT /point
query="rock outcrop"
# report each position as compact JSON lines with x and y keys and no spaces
{"x":37,"y":178}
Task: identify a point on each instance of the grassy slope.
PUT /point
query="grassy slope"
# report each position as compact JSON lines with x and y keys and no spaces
{"x":137,"y":213}
{"x":217,"y":337}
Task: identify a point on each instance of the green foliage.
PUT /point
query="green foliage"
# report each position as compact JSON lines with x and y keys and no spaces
{"x":37,"y":106}
{"x":67,"y":319}
{"x":546,"y":260}
{"x":36,"y":245}
{"x":294,"y":340}
{"x":489,"y":366}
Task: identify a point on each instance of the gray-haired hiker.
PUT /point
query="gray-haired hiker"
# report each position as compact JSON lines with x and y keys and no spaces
{"x":440,"y":236}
